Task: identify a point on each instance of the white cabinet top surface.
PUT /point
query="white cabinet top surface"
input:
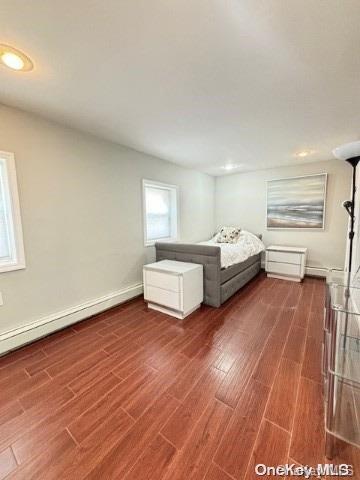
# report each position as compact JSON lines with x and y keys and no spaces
{"x":172,"y":266}
{"x":280,"y":248}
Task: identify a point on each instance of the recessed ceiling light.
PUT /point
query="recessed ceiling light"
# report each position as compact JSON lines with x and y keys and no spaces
{"x":14,"y":59}
{"x":304,"y":153}
{"x":230,"y":166}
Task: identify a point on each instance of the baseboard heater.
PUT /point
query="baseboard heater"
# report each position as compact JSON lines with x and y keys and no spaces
{"x":18,"y":337}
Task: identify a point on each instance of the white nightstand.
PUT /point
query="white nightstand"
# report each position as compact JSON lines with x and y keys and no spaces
{"x":287,"y":263}
{"x":175,"y":288}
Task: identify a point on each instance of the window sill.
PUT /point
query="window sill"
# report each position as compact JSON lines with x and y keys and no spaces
{"x":11,"y":267}
{"x":165,"y":240}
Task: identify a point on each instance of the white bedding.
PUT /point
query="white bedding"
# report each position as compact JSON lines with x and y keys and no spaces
{"x":232,"y":253}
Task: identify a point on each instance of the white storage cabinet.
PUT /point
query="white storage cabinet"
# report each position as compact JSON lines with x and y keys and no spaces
{"x":172,"y":287}
{"x":286,"y":263}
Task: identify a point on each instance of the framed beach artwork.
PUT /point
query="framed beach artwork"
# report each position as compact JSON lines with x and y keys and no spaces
{"x":296,"y":202}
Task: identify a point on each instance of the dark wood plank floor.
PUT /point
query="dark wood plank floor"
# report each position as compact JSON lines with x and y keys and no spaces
{"x":135,"y":394}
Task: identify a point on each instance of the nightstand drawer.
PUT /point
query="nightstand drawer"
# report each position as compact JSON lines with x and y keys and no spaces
{"x":283,"y":268}
{"x":284,"y":257}
{"x":162,"y":280}
{"x":163,"y":297}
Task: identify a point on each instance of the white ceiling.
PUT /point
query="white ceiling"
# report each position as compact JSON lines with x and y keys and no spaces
{"x":201,"y":83}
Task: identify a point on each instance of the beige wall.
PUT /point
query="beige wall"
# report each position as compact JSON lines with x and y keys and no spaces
{"x":241,"y":200}
{"x":81,"y":203}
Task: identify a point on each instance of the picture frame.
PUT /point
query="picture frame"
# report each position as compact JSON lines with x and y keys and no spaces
{"x":296,"y":203}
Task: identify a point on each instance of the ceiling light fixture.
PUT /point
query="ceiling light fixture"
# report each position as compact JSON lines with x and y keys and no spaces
{"x":230,"y":166}
{"x":304,"y":153}
{"x":14,"y":59}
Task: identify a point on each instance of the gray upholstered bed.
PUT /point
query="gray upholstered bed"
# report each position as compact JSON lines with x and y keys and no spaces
{"x":219,"y":283}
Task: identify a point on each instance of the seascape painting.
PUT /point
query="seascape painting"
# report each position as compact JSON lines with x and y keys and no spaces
{"x":297,"y":202}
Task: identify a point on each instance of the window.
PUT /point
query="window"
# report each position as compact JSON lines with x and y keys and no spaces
{"x":11,"y":241}
{"x":160,"y":212}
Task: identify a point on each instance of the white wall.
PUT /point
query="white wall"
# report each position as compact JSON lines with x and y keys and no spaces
{"x":241,"y":200}
{"x":81,"y":203}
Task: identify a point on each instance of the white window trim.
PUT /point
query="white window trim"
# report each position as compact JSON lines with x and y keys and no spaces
{"x":17,"y":262}
{"x":175,"y":225}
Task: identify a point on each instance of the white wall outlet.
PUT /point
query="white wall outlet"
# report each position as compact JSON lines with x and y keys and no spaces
{"x":1,"y":299}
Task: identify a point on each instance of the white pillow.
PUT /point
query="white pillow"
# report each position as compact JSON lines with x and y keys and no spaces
{"x":251,"y":242}
{"x":249,"y":234}
{"x":228,"y":235}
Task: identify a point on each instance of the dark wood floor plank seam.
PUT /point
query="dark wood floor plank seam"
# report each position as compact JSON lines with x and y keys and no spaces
{"x":84,"y":458}
{"x":97,"y":346}
{"x":190,"y":410}
{"x":263,"y":418}
{"x":245,"y":421}
{"x":251,"y":371}
{"x":124,"y":454}
{"x":283,"y":341}
{"x":10,"y":411}
{"x":280,"y":409}
{"x":313,"y":441}
{"x":41,"y":464}
{"x":166,"y":439}
{"x":188,"y":462}
{"x":8,"y":463}
{"x":59,"y":419}
{"x":154,"y":461}
{"x":271,"y":445}
{"x":143,"y":399}
{"x":224,"y":476}
{"x":83,"y":344}
{"x":72,"y":436}
{"x":296,"y":401}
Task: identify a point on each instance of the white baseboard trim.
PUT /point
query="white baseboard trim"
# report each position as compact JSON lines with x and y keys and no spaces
{"x":18,"y":337}
{"x":313,"y":271}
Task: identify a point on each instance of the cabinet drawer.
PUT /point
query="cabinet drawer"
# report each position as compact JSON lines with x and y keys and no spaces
{"x":284,"y":257}
{"x":283,"y":268}
{"x":163,"y":297}
{"x":162,"y":280}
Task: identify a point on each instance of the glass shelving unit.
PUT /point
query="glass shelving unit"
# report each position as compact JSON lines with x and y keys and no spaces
{"x":341,"y":361}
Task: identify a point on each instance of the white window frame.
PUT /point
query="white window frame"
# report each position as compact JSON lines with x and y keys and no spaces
{"x":174,"y":190}
{"x":17,"y":260}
